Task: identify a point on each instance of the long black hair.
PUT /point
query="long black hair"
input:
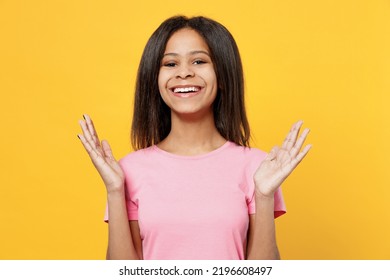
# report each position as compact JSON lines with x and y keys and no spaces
{"x":152,"y":117}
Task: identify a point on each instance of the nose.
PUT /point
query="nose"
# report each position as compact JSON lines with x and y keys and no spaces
{"x":184,"y":71}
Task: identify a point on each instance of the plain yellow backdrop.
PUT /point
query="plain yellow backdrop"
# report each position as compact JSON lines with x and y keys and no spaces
{"x":325,"y":62}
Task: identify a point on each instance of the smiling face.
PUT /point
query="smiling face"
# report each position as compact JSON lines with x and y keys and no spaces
{"x":187,"y":81}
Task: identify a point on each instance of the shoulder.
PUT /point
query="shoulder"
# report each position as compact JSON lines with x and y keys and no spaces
{"x":137,"y":154}
{"x":137,"y":158}
{"x":248,"y":154}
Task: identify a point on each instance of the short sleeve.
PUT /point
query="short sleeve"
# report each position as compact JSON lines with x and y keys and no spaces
{"x":279,"y":205}
{"x":131,"y":205}
{"x":132,"y":211}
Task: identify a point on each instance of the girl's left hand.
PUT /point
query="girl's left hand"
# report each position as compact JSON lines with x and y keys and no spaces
{"x":280,"y":162}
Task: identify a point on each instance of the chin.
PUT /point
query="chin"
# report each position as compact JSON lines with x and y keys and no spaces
{"x":192,"y":112}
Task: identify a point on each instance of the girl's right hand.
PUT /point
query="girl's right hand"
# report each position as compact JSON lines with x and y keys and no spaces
{"x":102,"y":157}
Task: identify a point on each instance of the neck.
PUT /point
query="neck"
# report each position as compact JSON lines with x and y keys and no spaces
{"x":192,"y":135}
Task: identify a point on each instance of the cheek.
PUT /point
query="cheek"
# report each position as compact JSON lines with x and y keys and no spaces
{"x":162,"y":84}
{"x":211,"y":77}
{"x":162,"y":80}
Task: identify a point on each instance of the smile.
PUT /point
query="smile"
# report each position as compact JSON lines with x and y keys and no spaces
{"x":187,"y":91}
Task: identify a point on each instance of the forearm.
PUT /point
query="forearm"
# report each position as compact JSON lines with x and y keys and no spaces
{"x":120,"y":242}
{"x":262,"y":240}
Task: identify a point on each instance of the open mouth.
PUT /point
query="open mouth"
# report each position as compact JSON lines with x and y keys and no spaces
{"x":186,"y":91}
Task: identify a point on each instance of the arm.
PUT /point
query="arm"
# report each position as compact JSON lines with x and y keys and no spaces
{"x":120,"y":241}
{"x":273,"y":170}
{"x":261,"y":234}
{"x":121,"y":245}
{"x":137,"y":242}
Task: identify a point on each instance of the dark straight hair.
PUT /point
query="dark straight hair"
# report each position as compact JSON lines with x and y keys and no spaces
{"x":152,"y":117}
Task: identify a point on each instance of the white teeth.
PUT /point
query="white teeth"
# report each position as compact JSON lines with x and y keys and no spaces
{"x":187,"y":89}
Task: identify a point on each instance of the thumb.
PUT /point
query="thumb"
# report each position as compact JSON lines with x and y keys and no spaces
{"x":272,"y":153}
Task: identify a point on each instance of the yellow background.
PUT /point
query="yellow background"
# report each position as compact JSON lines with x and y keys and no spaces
{"x":326,"y":62}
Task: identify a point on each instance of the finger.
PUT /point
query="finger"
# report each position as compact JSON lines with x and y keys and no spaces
{"x":298,"y":145}
{"x":272,"y":154}
{"x":292,"y":136}
{"x":87,"y":134}
{"x":91,"y":129}
{"x":93,"y":154}
{"x":107,"y":149}
{"x":301,"y":155}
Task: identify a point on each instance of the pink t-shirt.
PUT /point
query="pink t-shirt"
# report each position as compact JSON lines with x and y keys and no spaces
{"x":193,"y":207}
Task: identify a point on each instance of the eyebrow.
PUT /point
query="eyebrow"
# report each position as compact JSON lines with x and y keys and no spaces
{"x":191,"y":53}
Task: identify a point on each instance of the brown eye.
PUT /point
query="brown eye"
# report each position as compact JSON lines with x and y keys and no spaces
{"x":170,"y":64}
{"x":199,"y":61}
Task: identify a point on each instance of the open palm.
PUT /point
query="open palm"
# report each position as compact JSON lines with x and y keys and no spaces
{"x":280,"y":162}
{"x":101,"y":156}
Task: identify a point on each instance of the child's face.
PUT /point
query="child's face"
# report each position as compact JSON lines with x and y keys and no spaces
{"x":187,"y":80}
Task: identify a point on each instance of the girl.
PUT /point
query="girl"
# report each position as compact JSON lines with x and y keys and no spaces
{"x":193,"y":189}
